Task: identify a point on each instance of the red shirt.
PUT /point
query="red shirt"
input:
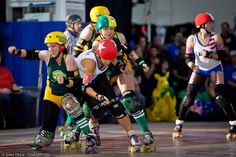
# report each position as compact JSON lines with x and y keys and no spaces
{"x":6,"y":78}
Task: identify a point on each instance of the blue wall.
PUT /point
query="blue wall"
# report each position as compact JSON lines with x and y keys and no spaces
{"x":29,"y":35}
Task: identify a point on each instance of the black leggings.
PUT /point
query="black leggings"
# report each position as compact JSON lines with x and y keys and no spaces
{"x":50,"y":114}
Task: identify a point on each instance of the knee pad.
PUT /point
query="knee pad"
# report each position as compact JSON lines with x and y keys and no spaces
{"x":44,"y":138}
{"x":130,"y":102}
{"x":191,"y":93}
{"x":71,"y":105}
{"x":187,"y":101}
{"x":117,"y":109}
{"x":221,"y":101}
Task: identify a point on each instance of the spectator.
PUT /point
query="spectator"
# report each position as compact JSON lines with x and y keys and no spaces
{"x":14,"y":103}
{"x":181,"y":73}
{"x":173,"y":48}
{"x":230,"y":78}
{"x":228,"y":39}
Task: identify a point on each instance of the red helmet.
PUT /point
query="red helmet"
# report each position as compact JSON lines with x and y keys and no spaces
{"x":107,"y":49}
{"x":203,"y":18}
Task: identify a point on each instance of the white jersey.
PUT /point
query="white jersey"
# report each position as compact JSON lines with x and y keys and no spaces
{"x":71,"y":41}
{"x":202,"y":62}
{"x":90,"y":55}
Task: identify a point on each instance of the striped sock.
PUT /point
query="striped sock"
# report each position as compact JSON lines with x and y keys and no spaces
{"x":141,"y":120}
{"x":83,"y":124}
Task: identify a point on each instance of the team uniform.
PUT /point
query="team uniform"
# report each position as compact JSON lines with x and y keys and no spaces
{"x":206,"y":65}
{"x":114,"y":71}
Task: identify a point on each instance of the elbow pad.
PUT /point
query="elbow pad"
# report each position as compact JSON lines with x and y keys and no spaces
{"x":74,"y":75}
{"x":32,"y":54}
{"x":189,"y":58}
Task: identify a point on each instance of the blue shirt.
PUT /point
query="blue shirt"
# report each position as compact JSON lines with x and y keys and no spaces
{"x":230,"y":73}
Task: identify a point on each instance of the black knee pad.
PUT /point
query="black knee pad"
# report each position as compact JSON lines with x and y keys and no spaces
{"x":192,"y":90}
{"x":187,"y":101}
{"x":117,"y":109}
{"x":221,"y":101}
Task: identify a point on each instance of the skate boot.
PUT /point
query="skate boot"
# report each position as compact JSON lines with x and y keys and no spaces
{"x":231,"y":134}
{"x":135,"y":142}
{"x":71,"y":140}
{"x":43,"y":139}
{"x":90,"y":144}
{"x":94,"y":127}
{"x":148,"y":142}
{"x":177,"y":134}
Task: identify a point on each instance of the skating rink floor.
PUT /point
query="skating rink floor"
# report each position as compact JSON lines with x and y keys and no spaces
{"x":200,"y":139}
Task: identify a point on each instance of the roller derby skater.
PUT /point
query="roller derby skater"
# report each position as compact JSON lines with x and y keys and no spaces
{"x":204,"y":50}
{"x":83,"y":41}
{"x":98,"y":92}
{"x":60,"y":79}
{"x":123,"y":74}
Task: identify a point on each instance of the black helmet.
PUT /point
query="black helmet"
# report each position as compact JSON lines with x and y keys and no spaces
{"x":70,"y":19}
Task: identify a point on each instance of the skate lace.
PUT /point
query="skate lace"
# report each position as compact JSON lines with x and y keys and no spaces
{"x":178,"y":128}
{"x":148,"y":138}
{"x":96,"y":131}
{"x":135,"y":140}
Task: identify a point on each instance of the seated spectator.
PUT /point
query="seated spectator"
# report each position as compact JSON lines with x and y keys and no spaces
{"x":13,"y":102}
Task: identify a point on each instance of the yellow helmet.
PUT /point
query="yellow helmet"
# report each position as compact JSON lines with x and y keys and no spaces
{"x":97,"y":11}
{"x":55,"y":37}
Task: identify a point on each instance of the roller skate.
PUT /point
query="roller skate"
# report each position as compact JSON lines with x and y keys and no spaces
{"x":72,"y":140}
{"x":231,"y":135}
{"x":177,"y":134}
{"x":43,"y":139}
{"x":148,"y":142}
{"x":135,"y":143}
{"x":94,"y":127}
{"x":90,"y":144}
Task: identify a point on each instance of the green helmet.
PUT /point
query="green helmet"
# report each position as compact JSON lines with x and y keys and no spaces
{"x":105,"y":21}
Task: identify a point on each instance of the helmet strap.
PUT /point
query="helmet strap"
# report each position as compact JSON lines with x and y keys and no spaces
{"x":203,"y":27}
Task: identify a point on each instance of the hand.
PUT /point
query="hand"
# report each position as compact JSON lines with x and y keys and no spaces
{"x":17,"y":90}
{"x":195,"y":68}
{"x":145,"y":67}
{"x":60,"y":79}
{"x":104,"y":101}
{"x":12,"y":50}
{"x":5,"y":91}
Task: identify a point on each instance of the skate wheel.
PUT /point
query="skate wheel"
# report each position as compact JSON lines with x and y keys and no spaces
{"x":66,"y":146}
{"x":91,"y":150}
{"x":228,"y":137}
{"x":95,"y":150}
{"x":74,"y":146}
{"x":177,"y":135}
{"x":148,"y":148}
{"x":133,"y":149}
